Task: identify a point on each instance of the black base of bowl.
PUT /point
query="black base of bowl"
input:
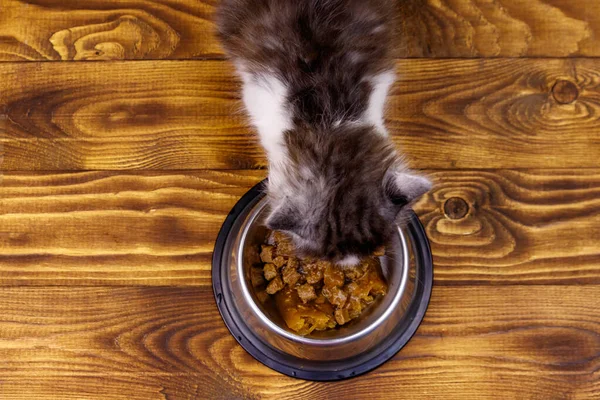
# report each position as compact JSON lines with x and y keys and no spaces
{"x":322,"y":370}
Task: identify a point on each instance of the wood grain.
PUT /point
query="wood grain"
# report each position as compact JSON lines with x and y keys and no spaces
{"x":158,"y":228}
{"x":148,"y":115}
{"x":182,"y":29}
{"x":502,"y":28}
{"x":535,"y":226}
{"x":115,"y":178}
{"x":540,"y":342}
{"x":187,"y":115}
{"x":106,"y":30}
{"x":149,"y":228}
{"x":496,"y":113}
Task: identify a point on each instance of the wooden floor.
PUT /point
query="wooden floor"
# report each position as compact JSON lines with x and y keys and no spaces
{"x":117,"y":174}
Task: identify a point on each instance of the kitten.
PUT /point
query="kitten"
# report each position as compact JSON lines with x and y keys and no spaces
{"x":316,"y":74}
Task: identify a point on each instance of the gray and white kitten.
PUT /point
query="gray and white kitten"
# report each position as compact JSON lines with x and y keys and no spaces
{"x":316,"y":74}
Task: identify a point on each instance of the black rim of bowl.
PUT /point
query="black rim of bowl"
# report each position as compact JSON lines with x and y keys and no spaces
{"x":322,"y":370}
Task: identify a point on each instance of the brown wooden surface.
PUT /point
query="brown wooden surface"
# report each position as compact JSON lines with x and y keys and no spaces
{"x":115,"y":178}
{"x":475,"y":342}
{"x":182,"y":29}
{"x":521,"y":227}
{"x":186,"y":115}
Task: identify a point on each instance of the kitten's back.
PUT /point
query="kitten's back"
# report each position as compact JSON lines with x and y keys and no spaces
{"x":324,"y":50}
{"x":307,"y":33}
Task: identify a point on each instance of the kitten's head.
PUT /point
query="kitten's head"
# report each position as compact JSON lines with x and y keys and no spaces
{"x":338,"y":193}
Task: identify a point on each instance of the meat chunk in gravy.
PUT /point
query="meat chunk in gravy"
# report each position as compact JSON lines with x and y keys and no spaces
{"x":315,"y":295}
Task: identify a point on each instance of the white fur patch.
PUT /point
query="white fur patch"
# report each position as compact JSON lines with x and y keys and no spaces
{"x":348,"y":261}
{"x":375,"y":111}
{"x":265,"y":98}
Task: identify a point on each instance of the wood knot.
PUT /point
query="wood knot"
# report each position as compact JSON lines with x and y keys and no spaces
{"x":456,"y":208}
{"x":565,"y":92}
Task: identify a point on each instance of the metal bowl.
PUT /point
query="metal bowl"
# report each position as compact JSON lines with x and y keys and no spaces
{"x":363,"y":344}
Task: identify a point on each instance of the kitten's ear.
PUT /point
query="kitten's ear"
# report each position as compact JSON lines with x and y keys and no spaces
{"x":405,"y":186}
{"x":284,"y":218}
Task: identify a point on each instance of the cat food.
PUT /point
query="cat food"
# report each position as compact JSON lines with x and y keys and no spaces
{"x":312,"y":295}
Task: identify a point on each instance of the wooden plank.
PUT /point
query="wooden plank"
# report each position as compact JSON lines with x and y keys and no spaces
{"x":519,"y":227}
{"x":538,"y":342}
{"x":497,"y":113}
{"x":158,"y":228}
{"x":115,"y":387}
{"x":106,"y":30}
{"x":149,"y":228}
{"x":501,"y":28}
{"x":150,"y":115}
{"x":183,"y":29}
{"x":187,"y":115}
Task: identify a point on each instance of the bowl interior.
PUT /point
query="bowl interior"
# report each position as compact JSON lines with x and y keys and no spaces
{"x":392,"y":265}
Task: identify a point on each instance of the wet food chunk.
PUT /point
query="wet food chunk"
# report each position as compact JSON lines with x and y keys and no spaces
{"x":270,"y":271}
{"x":291,"y":276}
{"x":267,"y":254}
{"x":315,"y":295}
{"x":306,"y":292}
{"x":275,"y":285}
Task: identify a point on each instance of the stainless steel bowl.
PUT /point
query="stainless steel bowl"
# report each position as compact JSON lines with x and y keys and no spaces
{"x":340,"y":353}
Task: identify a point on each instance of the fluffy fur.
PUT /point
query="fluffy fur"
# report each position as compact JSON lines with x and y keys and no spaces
{"x":316,"y":75}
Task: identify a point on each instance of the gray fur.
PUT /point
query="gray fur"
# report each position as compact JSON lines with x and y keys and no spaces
{"x":344,"y":184}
